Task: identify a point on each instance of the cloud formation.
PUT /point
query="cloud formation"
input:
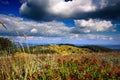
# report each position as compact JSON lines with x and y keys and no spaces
{"x":53,"y":28}
{"x":58,"y":32}
{"x":32,"y":28}
{"x":55,"y":9}
{"x":74,"y":9}
{"x":92,"y":25}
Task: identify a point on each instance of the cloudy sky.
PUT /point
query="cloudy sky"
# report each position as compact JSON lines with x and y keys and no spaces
{"x":61,"y":21}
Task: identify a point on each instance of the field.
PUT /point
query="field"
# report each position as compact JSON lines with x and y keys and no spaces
{"x":90,"y":66}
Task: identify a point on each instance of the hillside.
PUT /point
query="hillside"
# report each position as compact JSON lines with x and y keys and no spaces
{"x":96,"y":48}
{"x":66,"y":49}
{"x":59,"y":49}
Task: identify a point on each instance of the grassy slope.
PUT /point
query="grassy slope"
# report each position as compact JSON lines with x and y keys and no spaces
{"x":66,"y":49}
{"x":52,"y":48}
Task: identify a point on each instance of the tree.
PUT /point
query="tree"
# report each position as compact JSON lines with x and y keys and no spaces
{"x":6,"y":45}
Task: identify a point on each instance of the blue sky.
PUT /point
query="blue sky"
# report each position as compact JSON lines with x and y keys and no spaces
{"x":61,"y":21}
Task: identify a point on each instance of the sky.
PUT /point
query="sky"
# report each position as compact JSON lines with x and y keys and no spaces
{"x":61,"y":21}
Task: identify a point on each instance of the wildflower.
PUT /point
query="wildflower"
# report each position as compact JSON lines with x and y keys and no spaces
{"x":117,"y":73}
{"x":93,"y":61}
{"x":80,"y":68}
{"x":57,"y":75}
{"x":104,"y":63}
{"x":78,"y":62}
{"x":111,"y":73}
{"x":51,"y":76}
{"x":41,"y":72}
{"x":59,"y":60}
{"x":101,"y":68}
{"x":86,"y":75}
{"x":47,"y":66}
{"x":71,"y":60}
{"x":73,"y":77}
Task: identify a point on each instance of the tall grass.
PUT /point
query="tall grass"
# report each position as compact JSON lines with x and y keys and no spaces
{"x":22,"y":66}
{"x":3,"y":25}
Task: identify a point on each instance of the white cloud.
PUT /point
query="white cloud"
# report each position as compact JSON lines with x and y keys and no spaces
{"x":99,"y":37}
{"x":34,"y":30}
{"x":93,"y":25}
{"x":60,"y":7}
{"x":52,"y":28}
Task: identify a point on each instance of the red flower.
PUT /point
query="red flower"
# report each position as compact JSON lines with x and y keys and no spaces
{"x":111,"y":73}
{"x":47,"y":66}
{"x":78,"y":62}
{"x":117,"y":73}
{"x":59,"y":60}
{"x":80,"y":68}
{"x":86,"y":75}
{"x":51,"y":76}
{"x":72,"y":60}
{"x":73,"y":77}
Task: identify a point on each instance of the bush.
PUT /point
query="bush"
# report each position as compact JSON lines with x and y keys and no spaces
{"x":6,"y":45}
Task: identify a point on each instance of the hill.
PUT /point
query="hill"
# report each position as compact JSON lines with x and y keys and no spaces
{"x":66,"y":49}
{"x":96,"y":48}
{"x":58,"y":49}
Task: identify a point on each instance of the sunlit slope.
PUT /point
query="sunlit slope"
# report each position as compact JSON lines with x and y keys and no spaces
{"x":58,"y":49}
{"x":66,"y":49}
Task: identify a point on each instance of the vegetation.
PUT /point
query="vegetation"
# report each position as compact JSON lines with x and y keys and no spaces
{"x":22,"y":66}
{"x":57,"y":49}
{"x":6,"y":46}
{"x":64,"y":49}
{"x":58,"y":62}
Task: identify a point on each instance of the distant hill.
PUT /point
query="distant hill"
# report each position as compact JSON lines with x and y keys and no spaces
{"x":96,"y":48}
{"x":66,"y":49}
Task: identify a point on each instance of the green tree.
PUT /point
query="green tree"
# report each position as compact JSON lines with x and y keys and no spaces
{"x":6,"y":45}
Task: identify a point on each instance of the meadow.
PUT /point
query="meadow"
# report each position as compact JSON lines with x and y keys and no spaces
{"x":93,"y":66}
{"x":58,"y":62}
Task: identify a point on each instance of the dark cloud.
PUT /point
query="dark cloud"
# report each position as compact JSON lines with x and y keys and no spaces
{"x":110,"y":12}
{"x":33,"y":10}
{"x":67,"y":0}
{"x":55,"y":9}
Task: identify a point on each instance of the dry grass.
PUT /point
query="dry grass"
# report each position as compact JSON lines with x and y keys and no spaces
{"x":3,"y":25}
{"x":23,"y":66}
